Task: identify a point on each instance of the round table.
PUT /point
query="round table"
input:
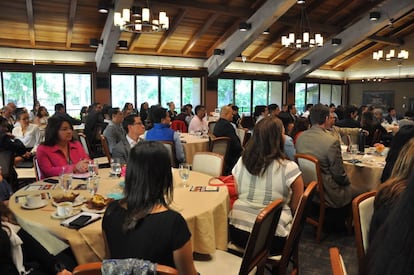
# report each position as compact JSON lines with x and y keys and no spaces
{"x":193,"y":144}
{"x":364,"y":175}
{"x":205,"y":213}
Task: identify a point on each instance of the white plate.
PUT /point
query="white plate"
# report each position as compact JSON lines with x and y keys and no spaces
{"x":56,"y":217}
{"x":78,"y":201}
{"x":25,"y":206}
{"x":81,"y":176}
{"x":86,"y":209}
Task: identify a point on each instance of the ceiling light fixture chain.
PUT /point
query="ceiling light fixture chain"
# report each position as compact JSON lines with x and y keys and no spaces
{"x":304,"y":38}
{"x":137,"y":20}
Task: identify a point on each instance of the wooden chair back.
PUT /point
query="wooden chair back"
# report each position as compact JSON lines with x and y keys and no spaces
{"x":171,"y":152}
{"x":220,"y":145}
{"x":376,"y":137}
{"x":362,"y":209}
{"x":260,"y":239}
{"x":208,"y":163}
{"x":95,"y":269}
{"x":105,"y":148}
{"x":84,"y":142}
{"x":88,"y":269}
{"x":211,"y":125}
{"x":337,"y":263}
{"x":38,"y":172}
{"x":291,"y":249}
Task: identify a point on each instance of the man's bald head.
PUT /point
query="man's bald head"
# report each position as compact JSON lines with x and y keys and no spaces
{"x":226,"y":113}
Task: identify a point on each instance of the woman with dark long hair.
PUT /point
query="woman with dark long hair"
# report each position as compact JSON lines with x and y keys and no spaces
{"x":60,"y":149}
{"x":142,"y":225}
{"x":263,"y":174}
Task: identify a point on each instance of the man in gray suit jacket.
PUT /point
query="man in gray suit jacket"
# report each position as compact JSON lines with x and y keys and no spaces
{"x":134,"y":128}
{"x":318,"y":142}
{"x":114,"y":132}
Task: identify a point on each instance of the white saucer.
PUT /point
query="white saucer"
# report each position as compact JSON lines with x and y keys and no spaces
{"x":86,"y":209}
{"x":78,"y":201}
{"x":25,"y":206}
{"x":55,"y":215}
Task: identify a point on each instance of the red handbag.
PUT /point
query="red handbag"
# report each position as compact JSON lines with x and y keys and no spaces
{"x":227,"y":181}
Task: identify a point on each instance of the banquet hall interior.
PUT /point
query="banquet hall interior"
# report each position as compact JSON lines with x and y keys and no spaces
{"x":213,"y":53}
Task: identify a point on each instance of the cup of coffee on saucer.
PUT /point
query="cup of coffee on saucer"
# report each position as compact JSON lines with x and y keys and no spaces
{"x":64,"y":209}
{"x":34,"y":201}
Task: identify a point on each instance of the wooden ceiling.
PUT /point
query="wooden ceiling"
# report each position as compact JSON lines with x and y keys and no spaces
{"x":197,"y":27}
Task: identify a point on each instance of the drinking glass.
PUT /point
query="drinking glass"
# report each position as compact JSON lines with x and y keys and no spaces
{"x":93,"y":168}
{"x":66,"y":178}
{"x":184,"y":172}
{"x":116,"y":167}
{"x":354,"y":152}
{"x":93,"y":184}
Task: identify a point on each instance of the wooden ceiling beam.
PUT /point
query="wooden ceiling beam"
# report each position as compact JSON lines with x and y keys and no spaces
{"x":327,"y":28}
{"x":225,"y":35}
{"x":71,"y":20}
{"x":212,"y":17}
{"x":352,"y":55}
{"x":386,"y":40}
{"x":262,"y":19}
{"x":174,"y":25}
{"x":351,"y":36}
{"x":204,"y":7}
{"x":30,"y":22}
{"x":264,"y":46}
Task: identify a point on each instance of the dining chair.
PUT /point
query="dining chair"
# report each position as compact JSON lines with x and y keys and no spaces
{"x":290,"y":252}
{"x":211,"y":125}
{"x":171,"y":152}
{"x":38,"y":172}
{"x":220,"y":145}
{"x":257,"y":248}
{"x":7,"y":163}
{"x":208,"y":163}
{"x":376,"y":137}
{"x":337,"y":263}
{"x":95,"y":269}
{"x":362,"y":209}
{"x":84,"y":142}
{"x":241,"y":133}
{"x":88,"y":269}
{"x":105,"y":147}
{"x":311,"y":171}
{"x":179,"y":125}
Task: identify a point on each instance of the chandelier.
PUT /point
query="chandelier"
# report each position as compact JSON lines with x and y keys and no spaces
{"x":303,"y":39}
{"x":391,"y":55}
{"x":137,"y":20}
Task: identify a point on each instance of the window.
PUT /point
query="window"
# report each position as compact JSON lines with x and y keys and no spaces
{"x":122,"y":90}
{"x":260,"y":92}
{"x":242,"y":95}
{"x":78,"y":93}
{"x":263,"y":93}
{"x":18,"y":88}
{"x":170,"y":91}
{"x":49,"y":90}
{"x":147,"y":89}
{"x":225,"y":92}
{"x":191,"y":90}
{"x":306,"y":93}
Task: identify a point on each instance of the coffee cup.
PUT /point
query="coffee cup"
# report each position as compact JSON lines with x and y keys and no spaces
{"x":34,"y":200}
{"x":64,"y":209}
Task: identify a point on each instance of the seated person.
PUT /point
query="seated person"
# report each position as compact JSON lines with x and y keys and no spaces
{"x":142,"y":225}
{"x":134,"y":128}
{"x":199,"y":122}
{"x":224,"y":128}
{"x":171,"y":111}
{"x":391,"y":190}
{"x":114,"y":132}
{"x":60,"y":149}
{"x":28,"y":134}
{"x":404,"y":134}
{"x":262,"y":175}
{"x":20,"y":253}
{"x":349,"y":120}
{"x":161,"y":131}
{"x":369,"y":124}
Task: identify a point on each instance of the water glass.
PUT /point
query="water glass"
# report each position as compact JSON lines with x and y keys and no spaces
{"x":93,"y":167}
{"x":184,"y":172}
{"x":66,"y":178}
{"x":354,"y":152}
{"x":116,"y":167}
{"x":93,"y":185}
